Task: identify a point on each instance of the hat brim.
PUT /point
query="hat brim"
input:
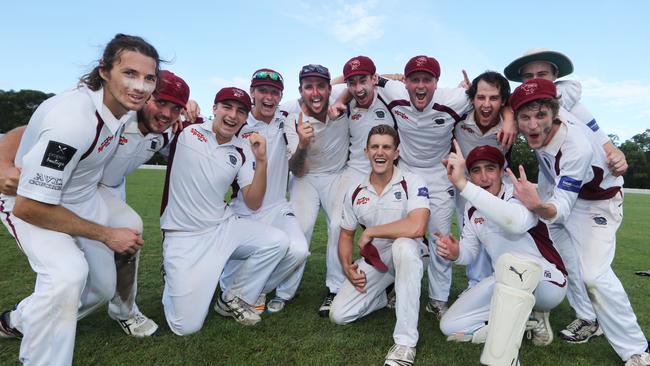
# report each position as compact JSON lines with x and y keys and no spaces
{"x":355,"y":73}
{"x":314,"y":74}
{"x":564,"y":65}
{"x":171,"y":99}
{"x":371,"y":255}
{"x":267,"y":82}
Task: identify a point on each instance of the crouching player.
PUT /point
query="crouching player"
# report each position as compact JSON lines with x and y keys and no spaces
{"x":393,"y":209}
{"x":528,"y":271}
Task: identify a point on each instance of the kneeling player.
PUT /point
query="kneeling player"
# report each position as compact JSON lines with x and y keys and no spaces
{"x":393,"y":208}
{"x":528,"y":271}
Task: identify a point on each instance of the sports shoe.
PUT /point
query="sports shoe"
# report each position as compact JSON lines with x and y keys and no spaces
{"x":639,"y":360}
{"x":275,"y":305}
{"x":260,"y":304}
{"x":5,"y":330}
{"x":392,"y":298}
{"x":238,"y":309}
{"x":324,"y":310}
{"x":138,"y":325}
{"x":580,"y":331}
{"x":437,"y":307}
{"x":399,"y":355}
{"x":538,"y":328}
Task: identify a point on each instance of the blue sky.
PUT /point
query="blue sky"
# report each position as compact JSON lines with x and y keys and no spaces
{"x":47,"y":45}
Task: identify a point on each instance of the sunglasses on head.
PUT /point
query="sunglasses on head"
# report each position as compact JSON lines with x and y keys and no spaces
{"x":315,"y":68}
{"x":261,"y":75}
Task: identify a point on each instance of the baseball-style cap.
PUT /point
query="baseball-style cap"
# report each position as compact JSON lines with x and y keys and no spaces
{"x":172,"y":88}
{"x":561,"y":62}
{"x":371,"y":255}
{"x":235,"y":94}
{"x":485,"y":152}
{"x":533,"y":89}
{"x":267,"y":77}
{"x":359,"y":65}
{"x":314,"y":70}
{"x":422,"y":63}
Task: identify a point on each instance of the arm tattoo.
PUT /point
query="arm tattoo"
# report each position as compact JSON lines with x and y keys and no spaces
{"x":297,"y":162}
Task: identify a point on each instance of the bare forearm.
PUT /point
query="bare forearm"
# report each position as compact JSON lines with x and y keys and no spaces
{"x":545,"y":210}
{"x":345,"y":247}
{"x":412,"y":226}
{"x":254,"y":195}
{"x":297,"y":162}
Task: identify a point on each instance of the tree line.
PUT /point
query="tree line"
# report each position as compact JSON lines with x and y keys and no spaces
{"x":16,"y":107}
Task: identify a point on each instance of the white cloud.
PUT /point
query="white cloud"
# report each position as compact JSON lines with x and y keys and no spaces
{"x":238,"y":81}
{"x":626,"y":94}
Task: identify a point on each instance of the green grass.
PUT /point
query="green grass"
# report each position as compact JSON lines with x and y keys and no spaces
{"x":297,"y":336}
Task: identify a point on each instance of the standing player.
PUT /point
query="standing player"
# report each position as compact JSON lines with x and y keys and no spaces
{"x":578,"y":192}
{"x":57,"y":217}
{"x":205,"y":158}
{"x":392,"y":207}
{"x":266,"y":120}
{"x":529,"y":272}
{"x":319,"y":150}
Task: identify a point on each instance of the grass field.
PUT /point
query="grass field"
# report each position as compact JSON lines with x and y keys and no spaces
{"x":298,"y":336}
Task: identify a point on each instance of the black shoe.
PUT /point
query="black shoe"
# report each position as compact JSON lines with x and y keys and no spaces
{"x":5,"y":330}
{"x":324,"y":310}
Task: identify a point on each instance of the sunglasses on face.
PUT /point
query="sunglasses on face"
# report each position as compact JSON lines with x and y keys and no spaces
{"x":271,"y":75}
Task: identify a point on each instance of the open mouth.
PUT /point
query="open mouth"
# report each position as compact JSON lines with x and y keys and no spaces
{"x":380,"y":161}
{"x":136,"y":98}
{"x":317,"y":103}
{"x":229,"y":123}
{"x":486,"y":113}
{"x":420,"y":95}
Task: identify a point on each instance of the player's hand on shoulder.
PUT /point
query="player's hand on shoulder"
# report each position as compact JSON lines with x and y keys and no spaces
{"x":9,"y":177}
{"x":124,"y":240}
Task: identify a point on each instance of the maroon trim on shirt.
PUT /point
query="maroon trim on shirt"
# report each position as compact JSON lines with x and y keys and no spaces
{"x":593,"y":192}
{"x":545,"y":246}
{"x":449,"y":111}
{"x":404,"y":187}
{"x":11,"y":224}
{"x":470,"y":212}
{"x":165,"y":136}
{"x":395,"y":103}
{"x":389,"y":110}
{"x":168,"y":173}
{"x":557,"y":162}
{"x":100,"y":125}
{"x":355,"y":193}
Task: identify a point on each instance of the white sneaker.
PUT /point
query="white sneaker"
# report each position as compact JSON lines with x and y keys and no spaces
{"x":437,"y":307}
{"x":580,"y":331}
{"x":399,"y":355}
{"x":539,"y":328}
{"x":275,"y":305}
{"x":639,"y":360}
{"x":238,"y":309}
{"x":260,"y":304}
{"x":138,"y":325}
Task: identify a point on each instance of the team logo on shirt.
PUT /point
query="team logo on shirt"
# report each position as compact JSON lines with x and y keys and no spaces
{"x":599,"y":220}
{"x":439,"y":121}
{"x":547,"y":273}
{"x":380,"y":114}
{"x":233,"y":159}
{"x":123,"y":140}
{"x":451,"y":192}
{"x":105,"y":143}
{"x":479,"y":220}
{"x":362,"y":201}
{"x":398,"y":195}
{"x":423,"y":192}
{"x":154,"y":145}
{"x":198,"y":135}
{"x":57,"y":155}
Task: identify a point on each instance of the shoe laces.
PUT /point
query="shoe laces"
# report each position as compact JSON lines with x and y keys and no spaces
{"x":576,"y":324}
{"x":139,"y":318}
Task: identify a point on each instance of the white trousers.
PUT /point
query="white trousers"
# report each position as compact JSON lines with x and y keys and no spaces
{"x":310,"y":193}
{"x":286,"y":277}
{"x":592,"y":226}
{"x":193,"y":262}
{"x":404,"y":259}
{"x":472,"y":309}
{"x":74,"y":276}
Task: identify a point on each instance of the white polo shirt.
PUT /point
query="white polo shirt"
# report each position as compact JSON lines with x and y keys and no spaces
{"x":469,"y":135}
{"x":361,"y":121}
{"x":199,"y":173}
{"x":67,"y":143}
{"x":277,"y":161}
{"x":134,"y":149}
{"x":363,"y":206}
{"x":531,"y":237}
{"x":573,"y":166}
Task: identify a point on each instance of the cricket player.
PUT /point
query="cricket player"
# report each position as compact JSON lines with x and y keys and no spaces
{"x":577,"y":191}
{"x":205,"y":159}
{"x":551,"y":65}
{"x":392,"y":207}
{"x":529,"y":273}
{"x":139,"y":141}
{"x":268,"y":121}
{"x":58,"y":218}
{"x":319,"y":150}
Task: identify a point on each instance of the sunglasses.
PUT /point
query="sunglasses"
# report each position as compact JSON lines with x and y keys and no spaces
{"x":271,"y":75}
{"x":312,"y":68}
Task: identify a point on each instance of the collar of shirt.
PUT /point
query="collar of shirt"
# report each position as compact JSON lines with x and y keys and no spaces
{"x":553,"y":147}
{"x":207,"y":126}
{"x":397,"y":177}
{"x":472,"y":122}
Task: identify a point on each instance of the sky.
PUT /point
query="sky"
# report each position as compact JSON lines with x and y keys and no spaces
{"x":48,"y":45}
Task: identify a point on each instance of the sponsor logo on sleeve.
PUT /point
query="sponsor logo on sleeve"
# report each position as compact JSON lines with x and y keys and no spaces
{"x":569,"y":184}
{"x":198,"y":135}
{"x":153,"y":145}
{"x":123,"y":140}
{"x":593,"y":125}
{"x":246,"y":135}
{"x":362,"y":201}
{"x":401,"y":115}
{"x":479,"y":220}
{"x":423,"y":192}
{"x":57,"y":155}
{"x":47,"y":181}
{"x":356,"y":117}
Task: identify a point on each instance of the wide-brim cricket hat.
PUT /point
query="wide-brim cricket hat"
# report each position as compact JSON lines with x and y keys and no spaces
{"x":562,"y":62}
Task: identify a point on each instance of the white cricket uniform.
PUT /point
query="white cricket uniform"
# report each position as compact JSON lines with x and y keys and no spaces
{"x":589,"y":201}
{"x":67,"y":143}
{"x":319,"y":187}
{"x":404,"y":257}
{"x":469,"y":136}
{"x":201,"y":233}
{"x":134,"y":149}
{"x":425,"y":140}
{"x":501,"y":224}
{"x":275,"y":210}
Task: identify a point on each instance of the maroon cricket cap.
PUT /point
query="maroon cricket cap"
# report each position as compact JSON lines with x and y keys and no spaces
{"x":267,"y":77}
{"x":370,"y":253}
{"x":359,"y":65}
{"x":533,"y":89}
{"x":172,"y":88}
{"x":235,"y":94}
{"x":485,"y":152}
{"x":422,"y":63}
